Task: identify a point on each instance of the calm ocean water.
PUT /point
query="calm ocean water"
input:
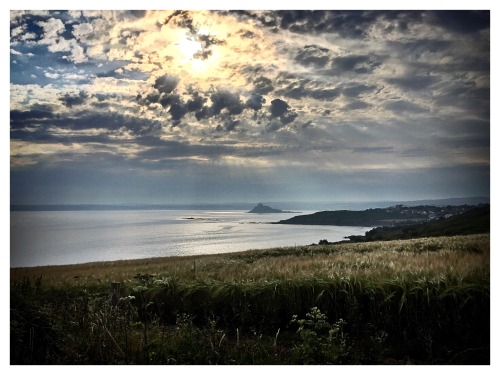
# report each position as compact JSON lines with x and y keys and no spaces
{"x":68,"y":237}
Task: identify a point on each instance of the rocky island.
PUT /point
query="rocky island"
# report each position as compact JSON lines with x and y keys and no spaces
{"x":263,"y":209}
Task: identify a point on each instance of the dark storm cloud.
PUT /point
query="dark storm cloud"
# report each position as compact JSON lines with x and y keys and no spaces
{"x":255,"y":101}
{"x":226,"y":104}
{"x":70,"y":100}
{"x":204,"y":112}
{"x":195,"y":103}
{"x":280,"y":108}
{"x":152,"y":97}
{"x":175,"y":105}
{"x":357,"y":23}
{"x":166,"y":84}
{"x":348,"y":24}
{"x":177,"y":111}
{"x":21,"y":119}
{"x":224,"y":99}
{"x":45,"y":121}
{"x":223,"y":102}
{"x":41,"y":136}
{"x":168,"y":100}
{"x":461,"y":21}
{"x":164,"y":87}
{"x":38,"y":112}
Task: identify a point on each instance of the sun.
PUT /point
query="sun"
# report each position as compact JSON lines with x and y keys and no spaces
{"x":192,"y":56}
{"x":187,"y":48}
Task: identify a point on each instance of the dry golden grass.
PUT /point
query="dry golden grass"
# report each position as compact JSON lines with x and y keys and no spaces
{"x":461,"y":256}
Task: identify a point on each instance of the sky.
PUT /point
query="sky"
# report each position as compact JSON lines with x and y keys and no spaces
{"x":114,"y":107}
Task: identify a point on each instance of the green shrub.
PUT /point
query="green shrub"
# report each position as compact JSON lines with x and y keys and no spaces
{"x":321,"y":342}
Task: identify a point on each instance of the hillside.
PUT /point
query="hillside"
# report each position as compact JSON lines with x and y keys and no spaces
{"x":474,"y":221}
{"x":378,"y":216}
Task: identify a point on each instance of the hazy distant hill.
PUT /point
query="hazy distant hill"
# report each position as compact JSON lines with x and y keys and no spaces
{"x":472,"y":201}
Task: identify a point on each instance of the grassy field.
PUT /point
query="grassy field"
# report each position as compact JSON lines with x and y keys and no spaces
{"x":423,"y":301}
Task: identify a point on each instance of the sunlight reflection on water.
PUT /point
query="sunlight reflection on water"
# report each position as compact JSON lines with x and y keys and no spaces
{"x":67,"y":237}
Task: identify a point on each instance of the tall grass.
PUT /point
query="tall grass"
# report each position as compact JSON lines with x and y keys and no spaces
{"x":461,"y":255}
{"x":423,"y":300}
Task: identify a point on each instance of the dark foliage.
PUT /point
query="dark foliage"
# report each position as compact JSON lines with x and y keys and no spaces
{"x":165,"y":321}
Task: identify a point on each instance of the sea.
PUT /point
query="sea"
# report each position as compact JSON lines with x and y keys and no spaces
{"x":39,"y":238}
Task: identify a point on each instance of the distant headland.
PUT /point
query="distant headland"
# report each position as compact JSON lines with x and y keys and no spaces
{"x":391,"y":216}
